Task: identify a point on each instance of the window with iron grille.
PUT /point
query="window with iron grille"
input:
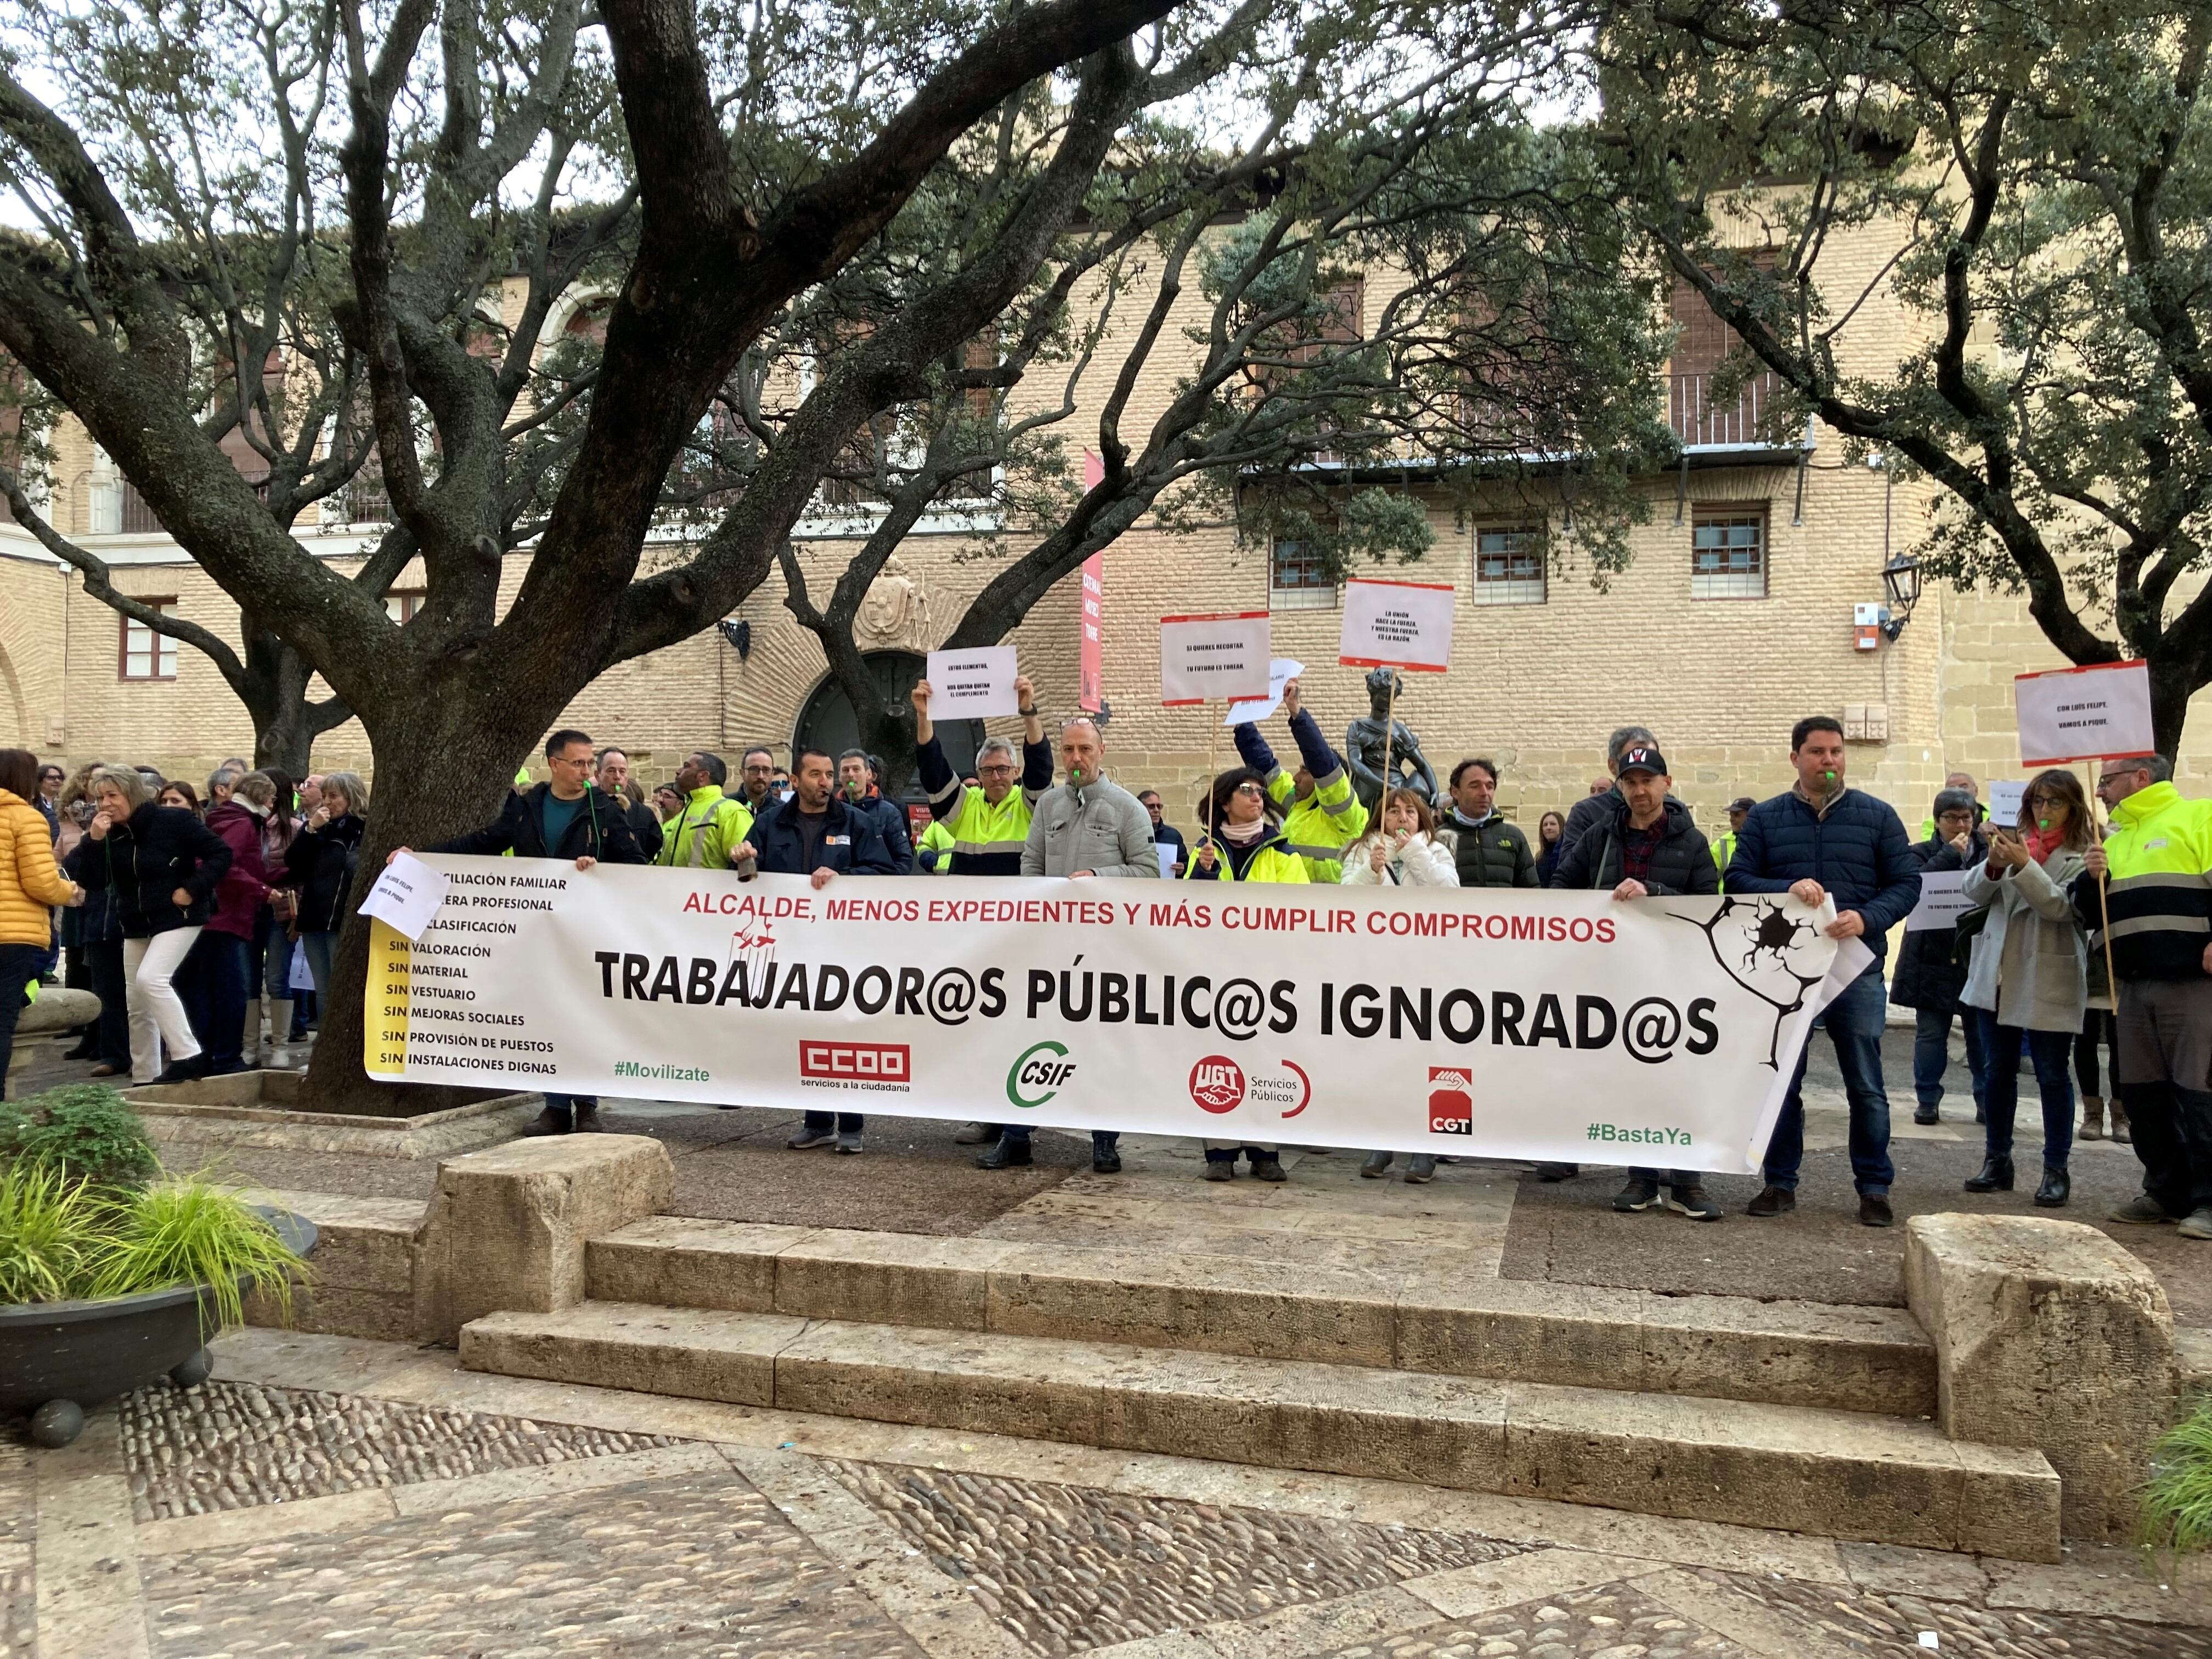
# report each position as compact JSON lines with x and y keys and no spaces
{"x":1299,"y":579}
{"x":1728,"y":557}
{"x":145,"y":654}
{"x":1509,"y":565}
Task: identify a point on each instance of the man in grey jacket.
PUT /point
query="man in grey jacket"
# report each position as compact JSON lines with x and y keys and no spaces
{"x":1089,"y":826}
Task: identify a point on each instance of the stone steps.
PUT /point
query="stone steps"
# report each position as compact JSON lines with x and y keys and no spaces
{"x":1844,"y":1475}
{"x":1872,"y":1360}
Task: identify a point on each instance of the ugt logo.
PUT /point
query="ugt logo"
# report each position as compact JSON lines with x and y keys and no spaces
{"x":1451,"y":1107}
{"x":1217,"y":1084}
{"x":1044,"y":1067}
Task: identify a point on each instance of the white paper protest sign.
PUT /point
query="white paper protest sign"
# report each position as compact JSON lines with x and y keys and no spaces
{"x":2005,"y":798}
{"x":407,"y":895}
{"x":1942,"y":901}
{"x":1396,"y":625}
{"x":1223,"y":655}
{"x":972,"y":685}
{"x":1164,"y":851}
{"x":2083,"y":713}
{"x":1280,"y":672}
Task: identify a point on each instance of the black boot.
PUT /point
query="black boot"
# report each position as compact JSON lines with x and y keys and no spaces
{"x":553,"y":1121}
{"x":187,"y":1071}
{"x":2056,"y":1187}
{"x":1996,"y":1176}
{"x":1008,"y":1154}
{"x":587,"y":1117}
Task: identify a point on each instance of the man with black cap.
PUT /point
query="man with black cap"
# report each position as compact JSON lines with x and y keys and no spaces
{"x":1649,"y":847}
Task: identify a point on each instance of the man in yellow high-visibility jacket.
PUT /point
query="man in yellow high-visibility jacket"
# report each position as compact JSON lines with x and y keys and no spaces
{"x":2158,"y":862}
{"x":709,"y":825}
{"x":1322,"y":817}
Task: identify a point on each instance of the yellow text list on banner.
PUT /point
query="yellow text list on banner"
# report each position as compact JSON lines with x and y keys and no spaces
{"x":1491,"y":1022}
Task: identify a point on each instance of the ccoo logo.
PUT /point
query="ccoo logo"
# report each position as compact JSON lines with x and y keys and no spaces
{"x":1217,"y":1084}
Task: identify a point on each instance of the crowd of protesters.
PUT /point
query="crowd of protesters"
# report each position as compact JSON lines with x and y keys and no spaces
{"x":200,"y":915}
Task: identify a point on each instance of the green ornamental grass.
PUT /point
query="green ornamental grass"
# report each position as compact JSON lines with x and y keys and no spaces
{"x":2178,"y":1501}
{"x":50,"y":1232}
{"x":193,"y":1231}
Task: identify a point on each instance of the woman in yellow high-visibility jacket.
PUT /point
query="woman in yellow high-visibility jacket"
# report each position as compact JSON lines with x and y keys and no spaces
{"x":1243,"y":842}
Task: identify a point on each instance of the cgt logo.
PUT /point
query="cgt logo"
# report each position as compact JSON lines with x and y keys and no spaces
{"x":1044,"y":1067}
{"x":1451,"y":1106}
{"x":857,"y":1062}
{"x":1217,"y":1084}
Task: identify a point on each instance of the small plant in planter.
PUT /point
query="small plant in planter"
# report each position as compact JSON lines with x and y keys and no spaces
{"x":111,"y":1275}
{"x":2177,"y":1499}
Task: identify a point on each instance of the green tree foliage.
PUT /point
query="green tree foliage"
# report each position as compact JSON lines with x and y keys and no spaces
{"x":2037,"y":178}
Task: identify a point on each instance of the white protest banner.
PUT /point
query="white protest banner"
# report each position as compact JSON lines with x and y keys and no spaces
{"x":1942,"y":903}
{"x":1491,"y":1022}
{"x":1224,"y":655}
{"x":1396,"y":625}
{"x":2083,"y":713}
{"x":2005,"y":798}
{"x":1280,"y":672}
{"x":406,"y":894}
{"x":972,"y":685}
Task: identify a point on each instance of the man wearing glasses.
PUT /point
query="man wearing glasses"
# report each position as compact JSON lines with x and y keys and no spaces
{"x":989,"y":824}
{"x":2157,"y":871}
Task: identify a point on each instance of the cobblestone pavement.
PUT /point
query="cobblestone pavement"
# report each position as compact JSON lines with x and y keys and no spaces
{"x":1612,"y":1622}
{"x":627,"y":1526}
{"x":692,"y":1565}
{"x":231,"y":1445}
{"x":1892,"y":1624}
{"x":1068,"y":1567}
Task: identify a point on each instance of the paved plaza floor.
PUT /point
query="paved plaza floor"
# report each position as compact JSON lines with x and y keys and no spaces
{"x":325,"y":1495}
{"x":328,"y":1495}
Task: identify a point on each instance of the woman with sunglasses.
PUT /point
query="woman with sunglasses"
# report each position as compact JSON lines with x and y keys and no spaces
{"x":1243,"y":842}
{"x":2029,"y":974}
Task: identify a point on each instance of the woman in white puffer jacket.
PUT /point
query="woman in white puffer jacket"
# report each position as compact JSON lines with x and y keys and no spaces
{"x":1404,"y":852}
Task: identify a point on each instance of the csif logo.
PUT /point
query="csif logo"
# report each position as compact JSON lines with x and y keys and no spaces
{"x":1043,"y":1067}
{"x":1217,"y":1084}
{"x":1451,"y":1101}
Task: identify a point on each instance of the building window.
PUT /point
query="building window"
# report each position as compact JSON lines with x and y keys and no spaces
{"x":1728,"y":557}
{"x":402,"y":607}
{"x":1509,"y":565}
{"x":1299,"y":579}
{"x":148,"y":656}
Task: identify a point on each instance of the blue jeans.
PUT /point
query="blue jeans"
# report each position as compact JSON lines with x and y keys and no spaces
{"x":1853,"y":1021}
{"x":275,"y":963}
{"x":2051,"y":1051}
{"x":215,"y":984}
{"x":1931,"y":1055}
{"x":322,"y":950}
{"x":19,"y":965}
{"x":566,"y":1102}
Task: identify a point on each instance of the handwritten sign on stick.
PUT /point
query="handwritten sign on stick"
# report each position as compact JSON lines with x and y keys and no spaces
{"x":2083,"y":713}
{"x":1224,"y":655}
{"x":1397,"y":625}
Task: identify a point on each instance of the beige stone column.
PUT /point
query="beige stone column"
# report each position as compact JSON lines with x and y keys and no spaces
{"x":506,"y":1227}
{"x":2047,"y":1334}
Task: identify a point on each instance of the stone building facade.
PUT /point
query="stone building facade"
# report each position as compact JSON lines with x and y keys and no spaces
{"x":1736,"y":616}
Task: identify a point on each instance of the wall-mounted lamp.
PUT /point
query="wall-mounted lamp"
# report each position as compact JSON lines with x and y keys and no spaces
{"x":1900,"y":579}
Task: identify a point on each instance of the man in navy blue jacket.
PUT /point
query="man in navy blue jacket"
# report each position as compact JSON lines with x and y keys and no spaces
{"x":1823,"y":840}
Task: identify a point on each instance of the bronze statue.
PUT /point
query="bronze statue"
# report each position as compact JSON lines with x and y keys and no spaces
{"x":1403,"y":767}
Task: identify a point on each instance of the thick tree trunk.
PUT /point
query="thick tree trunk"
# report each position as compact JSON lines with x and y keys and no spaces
{"x":442,"y":769}
{"x":2174,"y":677}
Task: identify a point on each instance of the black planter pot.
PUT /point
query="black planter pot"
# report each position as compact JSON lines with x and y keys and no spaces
{"x":57,"y":1358}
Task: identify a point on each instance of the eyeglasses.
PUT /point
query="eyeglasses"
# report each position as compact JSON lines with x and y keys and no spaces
{"x":1249,"y":789}
{"x":994,"y":771}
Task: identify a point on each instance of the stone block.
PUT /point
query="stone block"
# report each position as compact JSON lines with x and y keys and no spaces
{"x":2048,"y":1334}
{"x":1580,"y":1334}
{"x":616,"y":1345}
{"x":1798,"y":1354}
{"x":675,"y":1261}
{"x":888,"y":1279}
{"x":1218,"y":1304}
{"x":506,"y":1228}
{"x":945,"y":1379}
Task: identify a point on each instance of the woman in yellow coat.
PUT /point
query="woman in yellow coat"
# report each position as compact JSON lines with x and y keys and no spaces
{"x":30,"y":887}
{"x":1243,"y":842}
